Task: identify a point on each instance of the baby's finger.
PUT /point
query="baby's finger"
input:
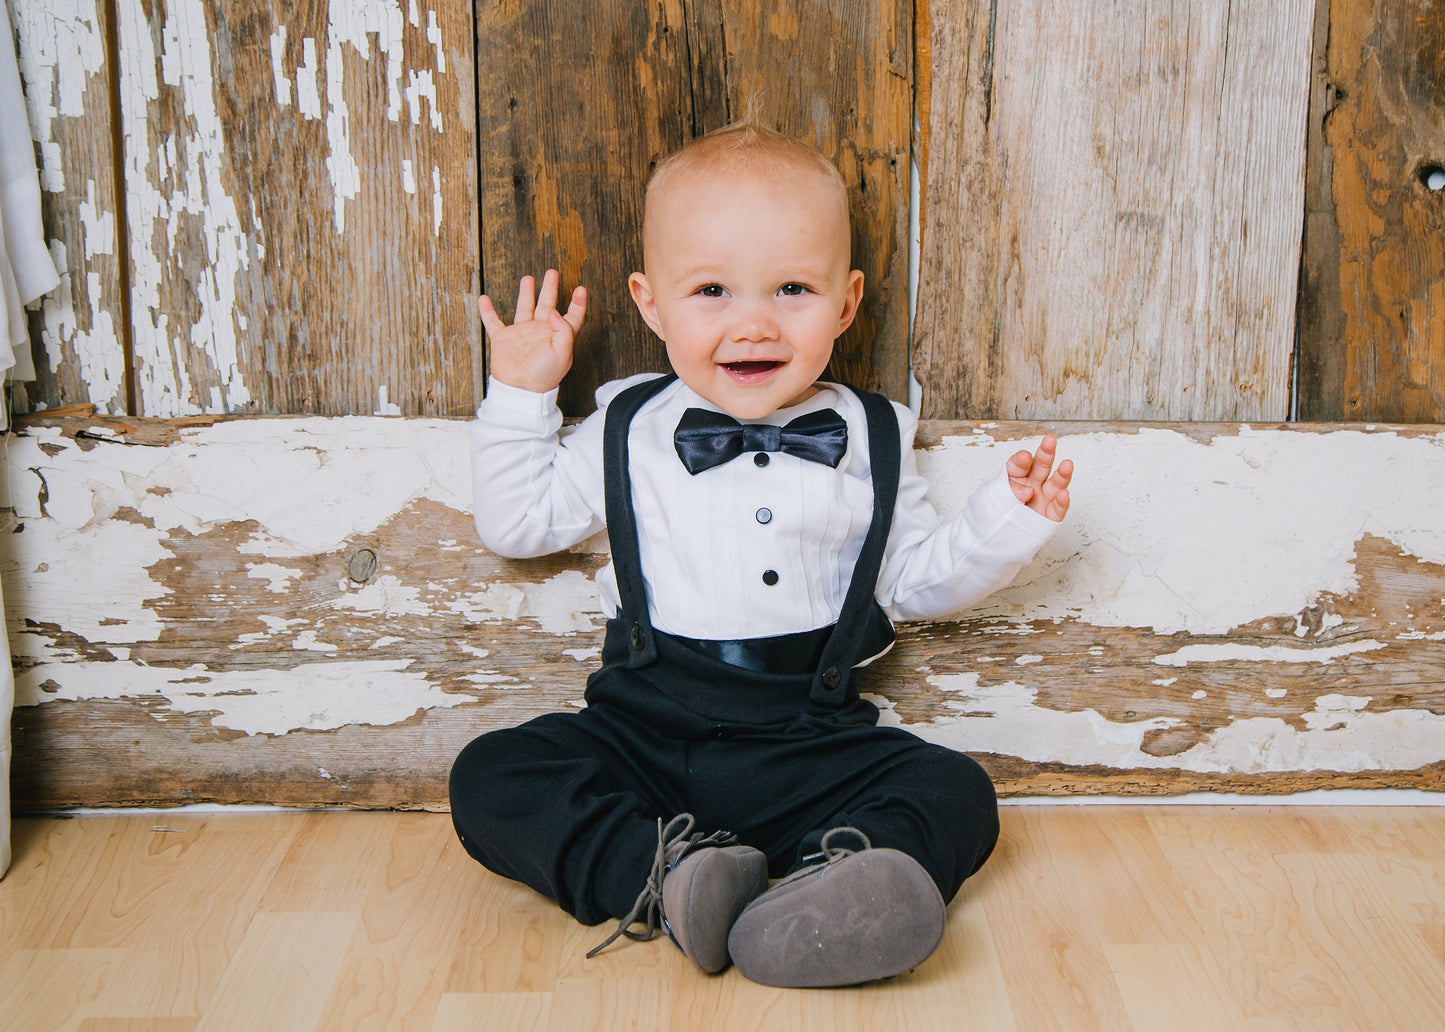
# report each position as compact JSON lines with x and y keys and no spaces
{"x":526,"y":306}
{"x":1063,"y":474}
{"x":576,"y":309}
{"x":1019,"y":465}
{"x":1043,"y":459}
{"x":1057,"y":507}
{"x":491,"y":321}
{"x":547,"y":296}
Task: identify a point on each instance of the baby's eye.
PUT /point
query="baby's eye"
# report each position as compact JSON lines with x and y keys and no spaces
{"x":792,"y":289}
{"x":711,"y":290}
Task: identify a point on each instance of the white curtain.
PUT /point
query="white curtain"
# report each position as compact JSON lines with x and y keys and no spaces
{"x":7,"y":699}
{"x":26,"y":272}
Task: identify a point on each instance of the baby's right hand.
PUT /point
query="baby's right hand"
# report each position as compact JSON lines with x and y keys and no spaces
{"x":535,"y":352}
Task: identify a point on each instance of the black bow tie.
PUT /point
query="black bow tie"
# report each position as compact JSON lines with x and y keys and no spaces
{"x":706,"y":439}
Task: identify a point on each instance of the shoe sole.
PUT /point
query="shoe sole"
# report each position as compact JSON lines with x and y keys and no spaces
{"x":703,"y":896}
{"x":858,"y":918}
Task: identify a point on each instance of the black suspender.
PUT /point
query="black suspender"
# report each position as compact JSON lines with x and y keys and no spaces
{"x":830,"y":682}
{"x":621,"y":521}
{"x":860,"y":622}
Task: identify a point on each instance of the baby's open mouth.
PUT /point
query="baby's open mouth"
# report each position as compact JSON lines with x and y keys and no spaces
{"x":751,"y":368}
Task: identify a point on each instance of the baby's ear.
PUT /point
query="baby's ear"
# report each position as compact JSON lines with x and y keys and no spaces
{"x":852,"y":298}
{"x":642,"y":298}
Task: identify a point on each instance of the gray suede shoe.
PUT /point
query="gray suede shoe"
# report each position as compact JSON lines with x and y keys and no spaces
{"x":704,"y":894}
{"x":854,"y":917}
{"x":698,"y":886}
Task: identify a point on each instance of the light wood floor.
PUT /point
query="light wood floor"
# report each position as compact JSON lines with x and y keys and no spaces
{"x":1111,"y":917}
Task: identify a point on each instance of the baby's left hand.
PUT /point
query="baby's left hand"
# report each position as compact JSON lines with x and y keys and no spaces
{"x":1029,"y":477}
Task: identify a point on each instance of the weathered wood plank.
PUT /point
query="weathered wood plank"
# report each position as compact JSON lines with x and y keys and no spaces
{"x":78,"y":330}
{"x":294,"y":611}
{"x":1111,"y":209}
{"x":574,"y":111}
{"x":1372,"y":311}
{"x":301,"y":205}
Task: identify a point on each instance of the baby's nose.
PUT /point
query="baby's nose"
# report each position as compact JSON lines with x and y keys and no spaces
{"x":755,"y":322}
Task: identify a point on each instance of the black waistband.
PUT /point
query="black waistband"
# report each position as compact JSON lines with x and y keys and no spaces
{"x":779,"y":654}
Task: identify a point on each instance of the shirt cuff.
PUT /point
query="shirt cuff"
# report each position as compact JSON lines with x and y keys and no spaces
{"x":513,"y":404}
{"x":1030,"y":529}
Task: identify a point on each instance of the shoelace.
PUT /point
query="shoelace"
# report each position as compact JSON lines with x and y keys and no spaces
{"x":648,"y":908}
{"x":828,"y":853}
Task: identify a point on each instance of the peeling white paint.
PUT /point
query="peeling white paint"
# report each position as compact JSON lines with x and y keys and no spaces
{"x":308,"y":94}
{"x":61,"y":51}
{"x":308,"y":642}
{"x":436,"y":201}
{"x":177,"y":184}
{"x":313,"y":696}
{"x":383,"y":406}
{"x":382,"y":596}
{"x":1228,"y":653}
{"x":356,"y":23}
{"x":1340,"y":735}
{"x":434,"y":37}
{"x":97,"y":519}
{"x":1205,"y":542}
{"x":61,"y":57}
{"x":565,"y":604}
{"x":94,"y":580}
{"x":98,"y":350}
{"x":278,"y":67}
{"x":278,"y":578}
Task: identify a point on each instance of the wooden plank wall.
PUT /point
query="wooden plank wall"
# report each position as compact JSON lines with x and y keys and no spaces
{"x":289,"y":206}
{"x":1111,"y":208}
{"x":79,"y":333}
{"x":578,"y":109}
{"x":276,"y":207}
{"x":297,"y":217}
{"x":1372,"y":311}
{"x":297,"y":611}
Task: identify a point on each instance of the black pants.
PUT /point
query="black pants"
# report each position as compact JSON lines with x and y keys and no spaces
{"x":568,"y":803}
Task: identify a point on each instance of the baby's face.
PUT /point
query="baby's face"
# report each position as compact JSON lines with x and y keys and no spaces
{"x":748,"y":285}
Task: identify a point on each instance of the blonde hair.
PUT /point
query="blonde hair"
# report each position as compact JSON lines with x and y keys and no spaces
{"x":747,"y":147}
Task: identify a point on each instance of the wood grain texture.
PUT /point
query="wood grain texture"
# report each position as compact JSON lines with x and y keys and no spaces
{"x":294,"y":611}
{"x":1116,"y":917}
{"x":1111,"y":210}
{"x":1372,"y":327}
{"x":575,"y":110}
{"x":300,"y":195}
{"x":78,"y":330}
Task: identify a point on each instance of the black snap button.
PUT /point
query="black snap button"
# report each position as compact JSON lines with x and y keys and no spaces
{"x":830,"y":677}
{"x":764,"y":515}
{"x":760,"y":459}
{"x":638,"y":641}
{"x":770,"y":577}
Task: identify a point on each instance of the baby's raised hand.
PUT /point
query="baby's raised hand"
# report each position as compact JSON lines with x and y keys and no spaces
{"x":1029,"y":476}
{"x":535,"y":352}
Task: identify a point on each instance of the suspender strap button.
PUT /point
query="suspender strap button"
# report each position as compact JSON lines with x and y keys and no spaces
{"x":831,"y":677}
{"x":639,"y":640}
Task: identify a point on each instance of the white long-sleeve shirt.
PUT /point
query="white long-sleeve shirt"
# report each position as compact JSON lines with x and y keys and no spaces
{"x":706,"y":541}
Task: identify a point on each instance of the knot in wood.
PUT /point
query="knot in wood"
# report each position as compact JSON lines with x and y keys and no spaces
{"x":362,"y":566}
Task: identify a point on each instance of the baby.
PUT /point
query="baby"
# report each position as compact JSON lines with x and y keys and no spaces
{"x":766,"y":529}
